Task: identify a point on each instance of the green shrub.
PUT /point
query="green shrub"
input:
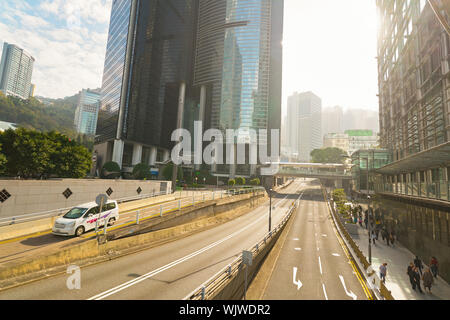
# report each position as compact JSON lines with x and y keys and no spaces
{"x":111,"y":170}
{"x":231,"y":182}
{"x":240,"y":181}
{"x":142,"y":171}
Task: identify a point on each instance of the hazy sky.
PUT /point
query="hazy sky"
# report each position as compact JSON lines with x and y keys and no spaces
{"x":329,"y":46}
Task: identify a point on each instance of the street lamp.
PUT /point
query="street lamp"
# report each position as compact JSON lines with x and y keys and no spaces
{"x":270,"y":210}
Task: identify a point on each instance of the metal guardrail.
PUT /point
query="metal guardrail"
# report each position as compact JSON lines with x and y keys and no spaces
{"x":204,"y":196}
{"x":223,"y":277}
{"x":135,"y":217}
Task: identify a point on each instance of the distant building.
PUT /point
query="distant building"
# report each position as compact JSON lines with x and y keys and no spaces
{"x":16,"y":69}
{"x":304,"y":127}
{"x":86,"y":114}
{"x":355,"y":119}
{"x":333,"y":120}
{"x":337,"y":140}
{"x":361,"y":140}
{"x":7,"y":125}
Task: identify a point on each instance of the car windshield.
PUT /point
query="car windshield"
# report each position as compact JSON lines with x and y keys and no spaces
{"x":75,"y":213}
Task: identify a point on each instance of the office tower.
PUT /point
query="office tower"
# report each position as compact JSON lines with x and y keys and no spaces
{"x":148,"y":70}
{"x":86,"y":114}
{"x":356,"y":119}
{"x":16,"y":70}
{"x":414,"y":91}
{"x":238,"y":68}
{"x":332,"y":120}
{"x":304,"y":125}
{"x":362,"y":140}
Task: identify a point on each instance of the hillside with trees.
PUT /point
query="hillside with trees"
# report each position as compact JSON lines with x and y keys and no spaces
{"x":53,"y":115}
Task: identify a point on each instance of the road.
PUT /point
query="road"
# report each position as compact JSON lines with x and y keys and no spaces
{"x":23,"y":247}
{"x":312,"y":264}
{"x":167,"y":272}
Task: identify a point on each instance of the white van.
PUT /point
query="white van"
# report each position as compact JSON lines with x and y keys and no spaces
{"x":83,"y":218}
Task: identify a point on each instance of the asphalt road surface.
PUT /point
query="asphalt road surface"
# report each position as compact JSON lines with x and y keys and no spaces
{"x":167,"y":272}
{"x":312,"y":264}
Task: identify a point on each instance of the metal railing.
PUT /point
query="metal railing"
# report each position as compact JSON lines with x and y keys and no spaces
{"x":223,"y":277}
{"x":191,"y":199}
{"x":179,"y":194}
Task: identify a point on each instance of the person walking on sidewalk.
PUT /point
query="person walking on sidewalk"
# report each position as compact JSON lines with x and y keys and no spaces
{"x":383,"y":272}
{"x":392,"y":238}
{"x":410,"y":273}
{"x":373,"y":236}
{"x":417,"y":279}
{"x":418,"y":264}
{"x":366,"y":220}
{"x":427,"y":278}
{"x":434,"y":266}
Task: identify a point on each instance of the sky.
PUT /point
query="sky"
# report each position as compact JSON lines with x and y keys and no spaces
{"x":329,"y":46}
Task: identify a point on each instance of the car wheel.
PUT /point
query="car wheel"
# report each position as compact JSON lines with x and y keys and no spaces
{"x":111,"y":222}
{"x":79,"y":231}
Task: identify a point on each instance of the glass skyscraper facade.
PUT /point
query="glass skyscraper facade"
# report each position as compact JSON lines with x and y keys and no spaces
{"x":238,"y":63}
{"x":16,"y":70}
{"x":114,"y":70}
{"x":86,"y":114}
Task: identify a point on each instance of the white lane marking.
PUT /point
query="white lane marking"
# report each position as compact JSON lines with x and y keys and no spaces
{"x":336,"y":254}
{"x":296,"y":239}
{"x":324,"y":291}
{"x":130,"y":283}
{"x":320,"y":265}
{"x":298,"y":283}
{"x":349,"y":293}
{"x":324,"y":235}
{"x":298,"y":249}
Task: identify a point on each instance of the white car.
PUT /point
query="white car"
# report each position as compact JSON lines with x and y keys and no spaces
{"x":83,"y":218}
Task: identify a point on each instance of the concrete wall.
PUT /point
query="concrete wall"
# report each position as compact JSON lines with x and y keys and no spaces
{"x":33,"y":196}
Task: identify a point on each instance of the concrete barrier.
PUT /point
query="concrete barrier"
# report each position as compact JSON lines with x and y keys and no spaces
{"x":11,"y":273}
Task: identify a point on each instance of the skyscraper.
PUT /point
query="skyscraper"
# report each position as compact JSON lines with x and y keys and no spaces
{"x":304,"y":125}
{"x":148,"y":70}
{"x":332,"y":120}
{"x":238,"y":66}
{"x":86,"y":114}
{"x":16,"y":70}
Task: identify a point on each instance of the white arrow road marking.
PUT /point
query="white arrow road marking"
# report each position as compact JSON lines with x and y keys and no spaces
{"x":350,"y":294}
{"x":324,"y":291}
{"x":298,"y":283}
{"x":320,"y":265}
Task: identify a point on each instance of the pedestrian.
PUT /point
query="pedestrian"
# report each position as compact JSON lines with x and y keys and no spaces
{"x":366,"y":220}
{"x":427,"y":278}
{"x":360,"y":221}
{"x":383,"y":272}
{"x":392,"y":238}
{"x":417,"y":279}
{"x":373,"y":237}
{"x":418,"y":264}
{"x":434,"y":266}
{"x":410,"y":273}
{"x":377,"y":232}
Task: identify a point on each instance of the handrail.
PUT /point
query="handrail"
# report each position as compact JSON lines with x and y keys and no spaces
{"x":216,"y":282}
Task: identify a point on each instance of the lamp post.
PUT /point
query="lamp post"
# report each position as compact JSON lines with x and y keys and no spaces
{"x":270,"y":210}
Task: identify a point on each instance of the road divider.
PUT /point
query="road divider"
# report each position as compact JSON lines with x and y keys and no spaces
{"x":92,"y":251}
{"x":230,"y":283}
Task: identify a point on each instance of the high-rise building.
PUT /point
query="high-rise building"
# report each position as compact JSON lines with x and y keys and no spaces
{"x":333,"y":120}
{"x":413,"y":191}
{"x":238,"y":68}
{"x":148,"y":74}
{"x":356,"y":119}
{"x":362,"y":140}
{"x":304,"y":125}
{"x":86,"y":114}
{"x":16,"y":70}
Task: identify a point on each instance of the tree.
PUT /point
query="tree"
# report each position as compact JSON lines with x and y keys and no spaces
{"x":110,"y":170}
{"x":142,"y":171}
{"x":240,"y":181}
{"x":231,"y":182}
{"x":328,"y":155}
{"x":168,"y":172}
{"x":33,"y":154}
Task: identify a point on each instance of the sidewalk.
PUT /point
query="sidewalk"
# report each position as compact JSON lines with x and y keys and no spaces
{"x":398,"y":259}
